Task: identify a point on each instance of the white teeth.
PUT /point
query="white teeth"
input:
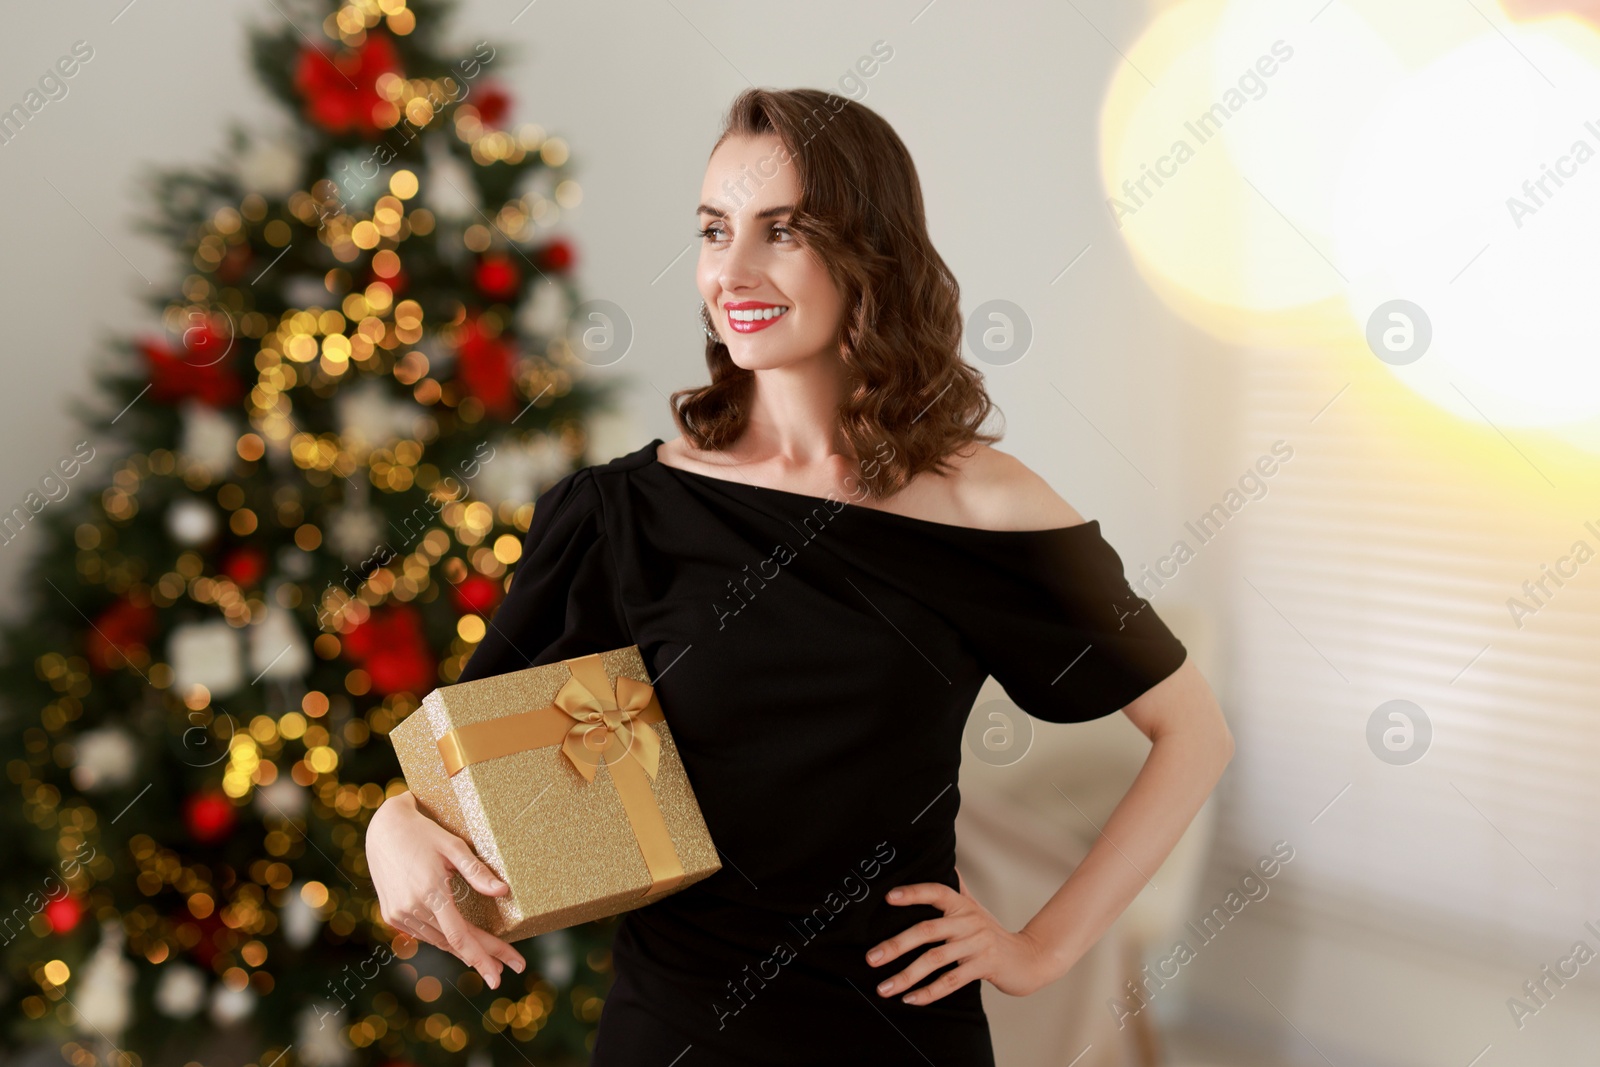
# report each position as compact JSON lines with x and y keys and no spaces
{"x":756,"y":315}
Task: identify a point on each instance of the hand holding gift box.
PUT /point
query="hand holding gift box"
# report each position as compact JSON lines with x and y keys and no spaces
{"x":565,"y":780}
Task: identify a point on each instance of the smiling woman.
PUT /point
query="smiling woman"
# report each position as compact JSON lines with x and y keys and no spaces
{"x":912,"y":561}
{"x":815,"y":249}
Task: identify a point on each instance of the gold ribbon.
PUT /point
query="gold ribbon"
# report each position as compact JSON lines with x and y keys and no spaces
{"x":593,"y":723}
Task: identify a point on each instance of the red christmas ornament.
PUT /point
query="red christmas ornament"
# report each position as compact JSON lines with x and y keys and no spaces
{"x":63,"y":914}
{"x":235,"y":261}
{"x":209,"y":817}
{"x":199,"y":370}
{"x":391,"y":647}
{"x":340,"y":91}
{"x":493,"y":104}
{"x":205,"y":947}
{"x":477,"y":594}
{"x":121,"y":630}
{"x":557,"y":255}
{"x":397,"y":284}
{"x":497,"y":278}
{"x":245,"y":565}
{"x":484,"y":368}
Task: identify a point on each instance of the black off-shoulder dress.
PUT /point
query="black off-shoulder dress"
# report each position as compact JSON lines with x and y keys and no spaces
{"x":817,"y":660}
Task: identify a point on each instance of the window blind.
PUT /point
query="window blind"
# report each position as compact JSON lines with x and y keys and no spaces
{"x":1378,"y":568}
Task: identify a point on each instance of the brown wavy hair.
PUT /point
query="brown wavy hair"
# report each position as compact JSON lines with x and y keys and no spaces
{"x":860,"y":212}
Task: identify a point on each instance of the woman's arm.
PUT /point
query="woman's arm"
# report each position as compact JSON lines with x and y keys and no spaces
{"x":1191,"y":745}
{"x":410,"y":857}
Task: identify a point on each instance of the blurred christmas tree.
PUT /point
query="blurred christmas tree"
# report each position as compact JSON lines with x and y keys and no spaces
{"x":307,"y":498}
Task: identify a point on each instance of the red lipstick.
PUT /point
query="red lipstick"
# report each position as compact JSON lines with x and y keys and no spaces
{"x":754,"y":315}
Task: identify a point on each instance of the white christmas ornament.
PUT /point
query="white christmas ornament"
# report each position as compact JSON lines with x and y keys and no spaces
{"x":520,"y":469}
{"x":546,"y":313}
{"x":271,"y":165}
{"x":447,"y":188}
{"x":208,"y":654}
{"x":355,"y":532}
{"x":300,"y":920}
{"x":104,"y":998}
{"x":540,"y":185}
{"x":555,"y":956}
{"x":441,"y":357}
{"x":355,"y":528}
{"x":210,"y":438}
{"x":348,"y":171}
{"x":371,"y":416}
{"x":180,"y":991}
{"x":308,"y":291}
{"x":229,"y":1006}
{"x":320,"y":1041}
{"x":294,"y":563}
{"x":282,"y":798}
{"x":105,"y":759}
{"x":278,"y":647}
{"x":192,"y":522}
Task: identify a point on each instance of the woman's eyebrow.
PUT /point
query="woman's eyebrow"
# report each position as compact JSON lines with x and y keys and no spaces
{"x":767,"y":213}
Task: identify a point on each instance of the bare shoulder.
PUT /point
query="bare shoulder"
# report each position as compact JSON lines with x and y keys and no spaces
{"x":679,"y":452}
{"x":1000,"y":492}
{"x":670,"y":448}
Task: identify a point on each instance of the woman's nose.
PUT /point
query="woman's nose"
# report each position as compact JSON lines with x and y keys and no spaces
{"x":739,"y":267}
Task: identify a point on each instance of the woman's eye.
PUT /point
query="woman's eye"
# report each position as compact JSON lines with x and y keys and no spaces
{"x":715,"y":233}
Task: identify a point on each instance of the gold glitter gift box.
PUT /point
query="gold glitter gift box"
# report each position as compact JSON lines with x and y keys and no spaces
{"x":565,"y":780}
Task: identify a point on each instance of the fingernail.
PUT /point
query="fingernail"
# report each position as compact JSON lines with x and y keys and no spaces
{"x":875,"y":955}
{"x":894,"y":894}
{"x":885,"y":986}
{"x":519,"y":964}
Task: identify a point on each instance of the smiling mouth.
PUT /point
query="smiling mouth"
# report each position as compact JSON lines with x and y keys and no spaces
{"x":749,"y":320}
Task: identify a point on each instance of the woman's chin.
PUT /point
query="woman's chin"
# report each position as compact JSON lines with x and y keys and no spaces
{"x":764,"y":357}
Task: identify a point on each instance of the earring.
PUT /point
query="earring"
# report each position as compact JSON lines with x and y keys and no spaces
{"x":705,"y":323}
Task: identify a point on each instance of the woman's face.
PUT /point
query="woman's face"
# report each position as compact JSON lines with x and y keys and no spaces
{"x":753,"y":267}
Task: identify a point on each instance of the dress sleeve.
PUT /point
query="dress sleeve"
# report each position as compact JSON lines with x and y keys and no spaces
{"x":1063,"y":631}
{"x":562,"y":600}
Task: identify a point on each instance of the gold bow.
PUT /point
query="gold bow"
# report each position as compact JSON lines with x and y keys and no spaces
{"x":593,"y":722}
{"x":604,"y":719}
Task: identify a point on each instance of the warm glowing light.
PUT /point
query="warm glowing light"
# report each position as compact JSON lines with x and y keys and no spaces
{"x":1499,"y":252}
{"x":1272,"y":197}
